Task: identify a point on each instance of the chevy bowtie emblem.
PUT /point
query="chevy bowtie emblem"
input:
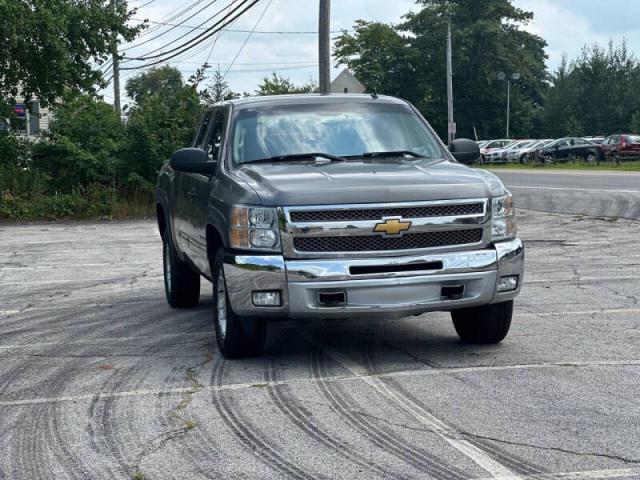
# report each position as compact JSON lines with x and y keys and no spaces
{"x":392,"y":227}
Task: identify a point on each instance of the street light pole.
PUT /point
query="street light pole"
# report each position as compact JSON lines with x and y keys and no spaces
{"x":508,"y":106}
{"x":502,"y":76}
{"x":451,"y":126}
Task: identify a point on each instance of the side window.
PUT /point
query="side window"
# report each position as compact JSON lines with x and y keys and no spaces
{"x":215,"y":136}
{"x":204,"y":128}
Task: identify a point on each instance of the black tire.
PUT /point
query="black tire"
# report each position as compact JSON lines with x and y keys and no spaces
{"x":548,"y":159}
{"x":484,"y":325}
{"x":237,"y":337}
{"x":591,"y":157}
{"x":181,"y":283}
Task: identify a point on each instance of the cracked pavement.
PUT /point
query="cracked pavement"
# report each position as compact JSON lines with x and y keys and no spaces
{"x":100,"y":379}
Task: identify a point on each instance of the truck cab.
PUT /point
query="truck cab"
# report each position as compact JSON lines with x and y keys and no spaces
{"x":335,"y":206}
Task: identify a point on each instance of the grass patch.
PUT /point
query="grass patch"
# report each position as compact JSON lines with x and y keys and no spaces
{"x":137,"y":475}
{"x":627,"y":166}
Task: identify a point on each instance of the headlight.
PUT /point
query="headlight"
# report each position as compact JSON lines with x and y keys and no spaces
{"x":503,"y":223}
{"x":254,"y":228}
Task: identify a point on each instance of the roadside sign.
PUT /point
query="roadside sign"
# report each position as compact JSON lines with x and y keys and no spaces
{"x":20,"y":110}
{"x":452,"y":128}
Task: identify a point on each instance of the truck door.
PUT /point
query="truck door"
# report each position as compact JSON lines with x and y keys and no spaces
{"x":197,"y":188}
{"x":183,"y":194}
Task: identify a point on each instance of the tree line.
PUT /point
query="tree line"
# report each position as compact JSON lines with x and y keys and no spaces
{"x":91,"y":163}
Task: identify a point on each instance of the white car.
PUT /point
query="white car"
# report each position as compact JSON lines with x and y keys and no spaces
{"x":500,"y":155}
{"x":493,"y":145}
{"x":522,"y":155}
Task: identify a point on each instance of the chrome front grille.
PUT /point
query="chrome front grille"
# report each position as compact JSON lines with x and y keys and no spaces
{"x":375,"y":243}
{"x":341,"y":215}
{"x":334,"y":231}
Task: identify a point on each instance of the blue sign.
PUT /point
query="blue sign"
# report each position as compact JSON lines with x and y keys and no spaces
{"x":20,"y":110}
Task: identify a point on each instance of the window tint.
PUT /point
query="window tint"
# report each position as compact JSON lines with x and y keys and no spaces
{"x":206,"y":121}
{"x":345,"y":129}
{"x":215,"y":137}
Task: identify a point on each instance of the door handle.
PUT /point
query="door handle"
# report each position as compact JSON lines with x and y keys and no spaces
{"x":192,"y":194}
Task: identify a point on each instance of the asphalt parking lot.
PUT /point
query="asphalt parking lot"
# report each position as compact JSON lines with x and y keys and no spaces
{"x":100,"y":379}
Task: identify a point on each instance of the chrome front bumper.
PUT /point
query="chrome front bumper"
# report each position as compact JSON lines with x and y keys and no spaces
{"x":393,"y":294}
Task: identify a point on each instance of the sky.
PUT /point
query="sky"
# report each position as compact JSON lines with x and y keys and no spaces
{"x":566,"y":25}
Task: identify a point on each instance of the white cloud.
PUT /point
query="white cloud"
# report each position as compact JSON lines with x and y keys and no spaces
{"x":567,"y":30}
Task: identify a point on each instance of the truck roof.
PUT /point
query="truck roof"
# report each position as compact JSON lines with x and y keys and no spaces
{"x":297,"y":99}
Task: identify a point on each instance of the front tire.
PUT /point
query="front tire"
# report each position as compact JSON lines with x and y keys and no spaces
{"x":483,"y":325}
{"x":181,"y":283}
{"x":237,"y":337}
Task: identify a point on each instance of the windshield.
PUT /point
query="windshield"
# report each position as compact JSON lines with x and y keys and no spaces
{"x":632,"y":139}
{"x":344,"y":129}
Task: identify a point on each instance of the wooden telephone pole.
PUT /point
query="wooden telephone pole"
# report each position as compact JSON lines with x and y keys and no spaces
{"x":324,"y":46}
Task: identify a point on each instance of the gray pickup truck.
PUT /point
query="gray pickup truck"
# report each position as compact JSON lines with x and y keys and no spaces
{"x":335,"y":206}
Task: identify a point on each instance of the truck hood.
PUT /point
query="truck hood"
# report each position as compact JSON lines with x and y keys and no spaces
{"x":366,"y":181}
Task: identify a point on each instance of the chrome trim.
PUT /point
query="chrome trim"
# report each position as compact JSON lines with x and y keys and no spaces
{"x":392,"y":297}
{"x":510,"y":255}
{"x":338,"y":270}
{"x":247,"y":273}
{"x":289,"y":229}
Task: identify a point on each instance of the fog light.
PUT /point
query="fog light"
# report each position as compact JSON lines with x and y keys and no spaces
{"x":506,"y":284}
{"x":266,"y":299}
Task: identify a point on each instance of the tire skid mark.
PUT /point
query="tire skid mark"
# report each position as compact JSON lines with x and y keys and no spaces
{"x":346,"y":407}
{"x":111,"y":422}
{"x":513,"y":462}
{"x":293,"y":410}
{"x":40,"y":426}
{"x":250,"y":436}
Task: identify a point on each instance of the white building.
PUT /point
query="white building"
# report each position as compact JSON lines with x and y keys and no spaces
{"x":346,"y":82}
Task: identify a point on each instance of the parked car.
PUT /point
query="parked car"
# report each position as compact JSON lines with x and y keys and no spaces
{"x":493,"y":145}
{"x":528,"y":152}
{"x":596,"y":140}
{"x":510,"y":152}
{"x":498,"y":155}
{"x":326,"y":206}
{"x":565,"y":149}
{"x":626,"y":145}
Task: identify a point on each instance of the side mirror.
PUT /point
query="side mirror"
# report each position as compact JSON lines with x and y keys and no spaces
{"x":465,"y":151}
{"x":192,"y":160}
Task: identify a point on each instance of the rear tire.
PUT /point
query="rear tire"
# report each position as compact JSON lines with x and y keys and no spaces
{"x":483,"y":325}
{"x":237,"y":337}
{"x":181,"y":283}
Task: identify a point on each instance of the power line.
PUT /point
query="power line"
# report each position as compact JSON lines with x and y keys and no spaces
{"x":230,"y":30}
{"x":173,"y":16}
{"x":193,"y":42}
{"x":248,"y":37}
{"x":199,"y":38}
{"x":144,"y":5}
{"x":173,"y":27}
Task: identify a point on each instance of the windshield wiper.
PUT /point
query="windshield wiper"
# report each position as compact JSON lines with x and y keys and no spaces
{"x":298,"y":156}
{"x":394,"y":153}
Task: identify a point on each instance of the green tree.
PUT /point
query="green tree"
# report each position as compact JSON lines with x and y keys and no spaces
{"x":54,"y":46}
{"x":277,"y":85}
{"x":218,"y":89}
{"x":158,"y":124}
{"x":409,"y":60}
{"x":594,"y":90}
{"x":164,"y":80}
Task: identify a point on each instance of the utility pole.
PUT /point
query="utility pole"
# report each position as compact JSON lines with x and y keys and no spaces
{"x":116,"y":69}
{"x":451,"y":127}
{"x":324,"y":46}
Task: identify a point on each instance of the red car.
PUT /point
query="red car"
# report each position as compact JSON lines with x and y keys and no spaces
{"x":621,"y":145}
